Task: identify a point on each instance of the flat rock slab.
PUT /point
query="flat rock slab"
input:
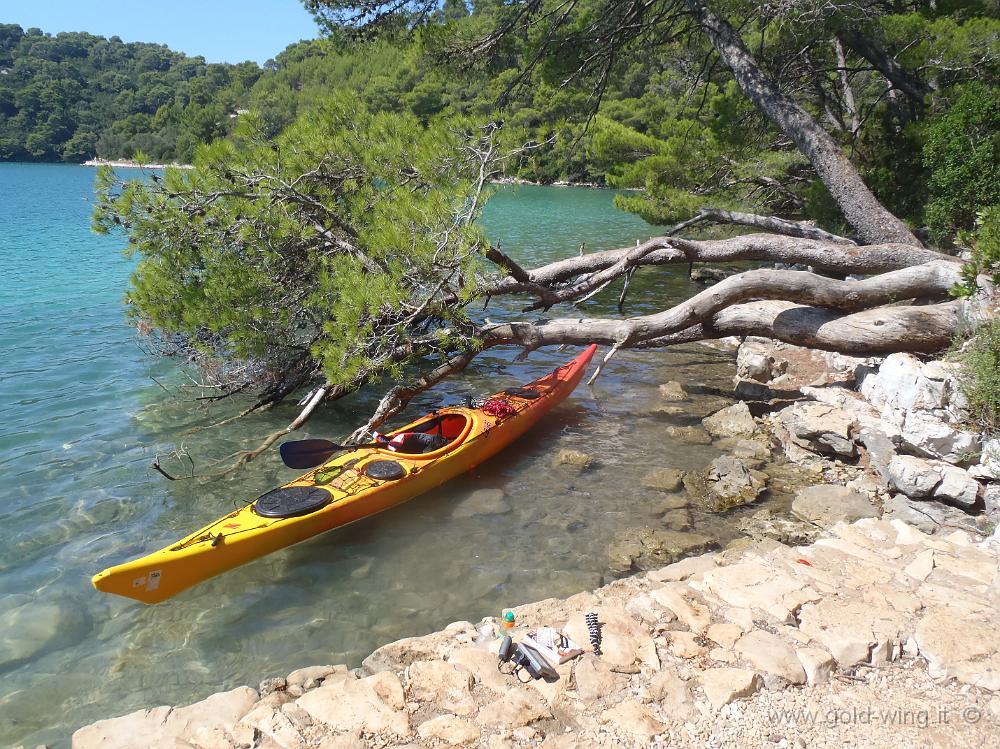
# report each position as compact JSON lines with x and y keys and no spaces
{"x":160,"y":726}
{"x":482,"y":502}
{"x":960,"y":647}
{"x":373,"y":704}
{"x":723,"y":685}
{"x":771,"y":654}
{"x":826,"y":504}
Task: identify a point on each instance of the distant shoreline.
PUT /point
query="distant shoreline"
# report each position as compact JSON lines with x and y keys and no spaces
{"x":130,"y":164}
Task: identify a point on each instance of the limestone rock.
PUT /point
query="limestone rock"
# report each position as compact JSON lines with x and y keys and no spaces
{"x":684,"y":569}
{"x":958,"y":488}
{"x":300,"y":676}
{"x":924,"y":402}
{"x":686,"y":644}
{"x":732,"y":421}
{"x":373,"y":704}
{"x":595,"y":680}
{"x":726,"y":483}
{"x":852,"y":629}
{"x":449,"y":730}
{"x":446,"y":684}
{"x":482,"y":502}
{"x":723,"y":685}
{"x":989,"y":461}
{"x":921,"y":566}
{"x":771,"y":654}
{"x":826,"y":504}
{"x":914,"y":477}
{"x":672,"y":391}
{"x":395,"y":656}
{"x":968,"y":651}
{"x":634,"y":719}
{"x":819,"y":427}
{"x":752,"y":584}
{"x":516,"y":707}
{"x":672,"y":693}
{"x":686,"y":604}
{"x":724,"y":634}
{"x":571,"y":459}
{"x":645,"y":548}
{"x":817,"y":664}
{"x":918,"y":478}
{"x":664,"y":479}
{"x":161,"y":726}
{"x":783,"y":529}
{"x":482,"y":664}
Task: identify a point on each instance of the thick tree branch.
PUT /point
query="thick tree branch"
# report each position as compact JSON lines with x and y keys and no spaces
{"x":837,"y":257}
{"x":911,"y":85}
{"x":800,"y":229}
{"x":713,"y":307}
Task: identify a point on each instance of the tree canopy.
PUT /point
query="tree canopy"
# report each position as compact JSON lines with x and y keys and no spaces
{"x":328,"y":242}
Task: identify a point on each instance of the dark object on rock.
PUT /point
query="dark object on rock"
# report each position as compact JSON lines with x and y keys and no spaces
{"x":291,"y":501}
{"x":594,"y":630}
{"x":384,"y":470}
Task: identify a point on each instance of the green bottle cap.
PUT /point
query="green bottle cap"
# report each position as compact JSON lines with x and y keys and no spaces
{"x":509,"y":616}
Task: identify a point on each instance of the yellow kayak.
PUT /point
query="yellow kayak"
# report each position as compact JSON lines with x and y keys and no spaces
{"x":349,"y":487}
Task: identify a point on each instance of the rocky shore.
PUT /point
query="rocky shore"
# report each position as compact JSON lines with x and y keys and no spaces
{"x":858,"y":613}
{"x":877,"y":634}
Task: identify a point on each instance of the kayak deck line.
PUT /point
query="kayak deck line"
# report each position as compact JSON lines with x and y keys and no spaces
{"x":473,"y":435}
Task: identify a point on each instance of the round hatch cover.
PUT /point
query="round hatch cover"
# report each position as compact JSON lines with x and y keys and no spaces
{"x":291,"y":501}
{"x":384,"y":470}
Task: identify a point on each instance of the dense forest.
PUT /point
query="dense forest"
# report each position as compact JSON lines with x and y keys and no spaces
{"x":72,"y":96}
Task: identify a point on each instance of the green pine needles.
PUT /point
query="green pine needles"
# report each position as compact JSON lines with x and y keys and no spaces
{"x":339,"y":251}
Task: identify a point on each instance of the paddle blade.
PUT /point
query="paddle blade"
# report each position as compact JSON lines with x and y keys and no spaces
{"x":307,"y":453}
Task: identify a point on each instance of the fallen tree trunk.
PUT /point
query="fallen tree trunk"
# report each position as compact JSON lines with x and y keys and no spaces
{"x":836,"y":257}
{"x":720,"y":311}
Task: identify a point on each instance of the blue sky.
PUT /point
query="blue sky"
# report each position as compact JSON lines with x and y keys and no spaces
{"x":218,"y":30}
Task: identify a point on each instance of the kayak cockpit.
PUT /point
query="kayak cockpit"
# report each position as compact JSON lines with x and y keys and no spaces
{"x":430,"y":437}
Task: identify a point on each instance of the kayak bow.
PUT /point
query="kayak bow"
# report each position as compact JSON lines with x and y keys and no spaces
{"x":343,"y":489}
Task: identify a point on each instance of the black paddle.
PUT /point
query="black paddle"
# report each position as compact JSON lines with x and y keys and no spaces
{"x":310,"y":453}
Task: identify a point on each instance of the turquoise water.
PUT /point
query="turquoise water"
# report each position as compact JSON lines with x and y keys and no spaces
{"x":82,"y":417}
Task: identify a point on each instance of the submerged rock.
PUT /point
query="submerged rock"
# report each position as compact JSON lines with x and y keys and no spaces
{"x":689,"y":435}
{"x":572,"y":459}
{"x":664,"y":479}
{"x":732,"y":421}
{"x":673,"y":391}
{"x":651,"y":548}
{"x":482,"y":502}
{"x":727,"y":482}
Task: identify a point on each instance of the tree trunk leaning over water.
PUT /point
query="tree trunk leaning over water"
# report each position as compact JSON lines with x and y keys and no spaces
{"x":859,"y":205}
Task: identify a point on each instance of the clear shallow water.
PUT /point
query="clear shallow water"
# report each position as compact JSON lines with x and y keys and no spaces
{"x":81,"y":418}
